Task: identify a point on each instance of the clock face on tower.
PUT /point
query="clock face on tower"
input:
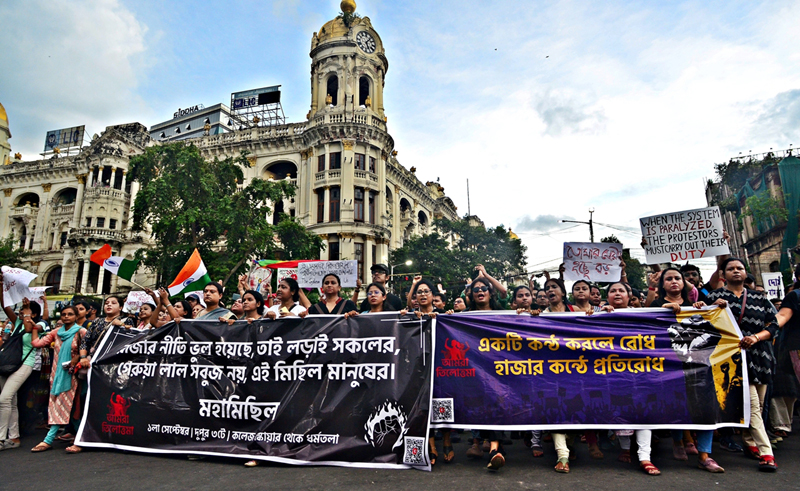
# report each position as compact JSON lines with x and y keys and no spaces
{"x":366,"y":42}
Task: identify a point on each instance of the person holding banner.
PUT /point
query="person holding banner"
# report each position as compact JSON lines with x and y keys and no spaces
{"x":619,"y":295}
{"x":63,"y":384}
{"x":212,"y":294}
{"x":582,"y":294}
{"x":757,"y":320}
{"x":378,"y":300}
{"x":112,"y":308}
{"x":556,"y":296}
{"x":288,"y":296}
{"x":522,"y":299}
{"x":333,"y":303}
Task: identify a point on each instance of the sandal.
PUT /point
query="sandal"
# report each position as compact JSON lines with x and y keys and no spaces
{"x":251,"y":463}
{"x":625,"y":456}
{"x":649,"y":468}
{"x":66,"y":437}
{"x":42,"y":447}
{"x":449,"y":453}
{"x":562,"y":466}
{"x":595,"y":452}
{"x":432,"y":451}
{"x":74,"y":449}
{"x":537,"y":452}
{"x":767,"y":464}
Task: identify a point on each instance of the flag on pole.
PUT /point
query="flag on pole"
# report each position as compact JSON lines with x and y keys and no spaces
{"x":117,"y":265}
{"x":193,"y":276}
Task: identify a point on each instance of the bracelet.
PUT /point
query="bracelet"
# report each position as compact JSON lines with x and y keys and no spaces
{"x":652,"y":288}
{"x":26,"y":315}
{"x":168,"y":305}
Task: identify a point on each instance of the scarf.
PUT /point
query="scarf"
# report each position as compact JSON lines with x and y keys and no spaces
{"x":62,"y":382}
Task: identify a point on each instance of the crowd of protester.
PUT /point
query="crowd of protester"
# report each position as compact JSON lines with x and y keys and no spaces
{"x":771,"y":334}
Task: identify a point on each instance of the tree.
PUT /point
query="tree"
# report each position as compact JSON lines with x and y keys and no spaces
{"x":187,"y":202}
{"x":10,"y":253}
{"x":634,"y":269}
{"x":449,"y":255}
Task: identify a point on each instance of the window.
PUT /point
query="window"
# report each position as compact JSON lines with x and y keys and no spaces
{"x":118,"y":179}
{"x":320,"y":205}
{"x":54,"y":279}
{"x":372,"y":208}
{"x":112,"y":224}
{"x":359,"y":202}
{"x":63,"y":239}
{"x":363,"y":90}
{"x":372,"y":167}
{"x":336,"y":160}
{"x":89,"y":222}
{"x":101,"y":222}
{"x":334,"y":205}
{"x":321,"y":163}
{"x":333,"y":90}
{"x":359,"y":253}
{"x":361,"y":161}
{"x":374,"y":254}
{"x":333,"y":251}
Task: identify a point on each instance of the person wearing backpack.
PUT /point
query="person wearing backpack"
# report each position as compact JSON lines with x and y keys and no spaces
{"x":17,"y":360}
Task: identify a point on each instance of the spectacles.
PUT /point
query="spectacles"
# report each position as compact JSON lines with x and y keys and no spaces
{"x":374,"y":292}
{"x":476,"y":289}
{"x":423,"y":292}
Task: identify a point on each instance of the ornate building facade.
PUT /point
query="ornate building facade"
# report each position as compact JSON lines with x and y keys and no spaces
{"x":351,"y":188}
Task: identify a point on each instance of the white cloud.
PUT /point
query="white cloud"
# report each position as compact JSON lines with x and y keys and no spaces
{"x":68,"y":63}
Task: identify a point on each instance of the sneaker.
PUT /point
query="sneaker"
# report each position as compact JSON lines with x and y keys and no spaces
{"x":496,"y":460}
{"x":730,"y":445}
{"x":475,"y":451}
{"x":679,"y":453}
{"x":710,"y":465}
{"x":8,"y":444}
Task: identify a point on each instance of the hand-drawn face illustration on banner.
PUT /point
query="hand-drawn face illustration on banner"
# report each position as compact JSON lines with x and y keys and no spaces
{"x":633,"y":369}
{"x":324,"y":390}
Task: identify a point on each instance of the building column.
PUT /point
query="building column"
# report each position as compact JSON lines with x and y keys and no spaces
{"x":369,"y":241}
{"x":134,"y":191}
{"x":397,"y":236}
{"x":122,"y":184}
{"x":85,"y":278}
{"x":347,"y":190}
{"x":76,"y":214}
{"x":101,"y":276}
{"x":327,"y":204}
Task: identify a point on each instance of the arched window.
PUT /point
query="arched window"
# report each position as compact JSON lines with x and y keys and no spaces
{"x":277,"y":212}
{"x":333,"y":89}
{"x":54,"y":279}
{"x":363,"y":90}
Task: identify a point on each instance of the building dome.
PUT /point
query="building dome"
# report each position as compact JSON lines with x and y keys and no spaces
{"x":512,"y":235}
{"x":332,"y":29}
{"x":348,"y":6}
{"x":3,"y":117}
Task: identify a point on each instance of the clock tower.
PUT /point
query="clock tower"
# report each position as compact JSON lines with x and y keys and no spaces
{"x":348,"y":67}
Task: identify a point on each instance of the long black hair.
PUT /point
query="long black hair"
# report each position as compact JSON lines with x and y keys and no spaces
{"x":493,"y":305}
{"x":259,"y":300}
{"x":294,"y":287}
{"x":662,"y":292}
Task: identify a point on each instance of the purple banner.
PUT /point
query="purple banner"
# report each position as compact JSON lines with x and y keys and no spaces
{"x":631,"y":369}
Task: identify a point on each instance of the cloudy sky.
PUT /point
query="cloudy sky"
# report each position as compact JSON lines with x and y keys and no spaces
{"x":548,"y":108}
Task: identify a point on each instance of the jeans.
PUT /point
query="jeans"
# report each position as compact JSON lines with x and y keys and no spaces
{"x":9,"y":414}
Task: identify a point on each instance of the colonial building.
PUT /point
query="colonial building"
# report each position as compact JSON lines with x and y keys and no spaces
{"x":351,"y":188}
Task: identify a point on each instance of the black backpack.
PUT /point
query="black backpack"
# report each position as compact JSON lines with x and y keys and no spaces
{"x":11,"y":353}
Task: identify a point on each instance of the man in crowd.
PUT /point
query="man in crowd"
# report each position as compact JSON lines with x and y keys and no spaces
{"x":692,"y":275}
{"x":438,"y":301}
{"x":380,"y":273}
{"x":459,"y":305}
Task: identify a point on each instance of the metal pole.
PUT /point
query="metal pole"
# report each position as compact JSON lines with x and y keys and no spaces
{"x":469,"y":211}
{"x":591,"y":225}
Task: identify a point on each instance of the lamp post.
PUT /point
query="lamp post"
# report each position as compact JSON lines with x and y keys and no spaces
{"x":407,"y":263}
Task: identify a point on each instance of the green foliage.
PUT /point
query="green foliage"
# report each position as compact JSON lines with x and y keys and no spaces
{"x":635,"y":270}
{"x":435,"y":258}
{"x":187,"y":202}
{"x":765,"y":209}
{"x":296,"y":242}
{"x":10,"y":253}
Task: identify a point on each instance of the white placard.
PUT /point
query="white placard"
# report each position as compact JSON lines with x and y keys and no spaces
{"x":309,"y":275}
{"x":287,"y":273}
{"x":773,"y":284}
{"x":15,"y":284}
{"x":135,"y":300}
{"x":683,"y":235}
{"x":259,"y":279}
{"x":592,"y":261}
{"x":34,"y":294}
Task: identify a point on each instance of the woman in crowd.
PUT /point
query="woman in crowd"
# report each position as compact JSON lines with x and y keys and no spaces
{"x":196,"y":310}
{"x":29,"y":316}
{"x":376,"y":299}
{"x":146,"y":311}
{"x":757,"y":321}
{"x":459,"y":305}
{"x":522,"y":298}
{"x":673,"y":293}
{"x":63,"y":384}
{"x":112,"y":310}
{"x":333,"y":303}
{"x":582,"y":295}
{"x":288,"y":296}
{"x":619,"y":297}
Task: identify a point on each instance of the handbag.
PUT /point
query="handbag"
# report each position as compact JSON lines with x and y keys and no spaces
{"x":79,"y":371}
{"x":11,"y":353}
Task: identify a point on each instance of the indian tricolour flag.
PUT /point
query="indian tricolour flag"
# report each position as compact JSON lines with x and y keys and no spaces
{"x":120,"y":266}
{"x":193,"y":276}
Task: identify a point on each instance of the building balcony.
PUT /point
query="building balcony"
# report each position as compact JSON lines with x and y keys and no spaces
{"x":99,"y":192}
{"x":86,"y":234}
{"x":63,"y":210}
{"x":26,"y":211}
{"x":327,"y":177}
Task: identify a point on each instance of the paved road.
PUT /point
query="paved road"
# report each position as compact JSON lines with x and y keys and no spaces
{"x":118,"y":471}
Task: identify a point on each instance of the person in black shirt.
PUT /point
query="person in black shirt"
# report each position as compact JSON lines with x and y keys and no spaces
{"x":380,"y":273}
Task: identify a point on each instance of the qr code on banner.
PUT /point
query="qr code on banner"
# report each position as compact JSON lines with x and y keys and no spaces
{"x":442,"y":411}
{"x":414,"y":451}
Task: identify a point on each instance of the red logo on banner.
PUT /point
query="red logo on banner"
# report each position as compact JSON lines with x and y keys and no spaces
{"x":118,"y":413}
{"x":455,"y":356}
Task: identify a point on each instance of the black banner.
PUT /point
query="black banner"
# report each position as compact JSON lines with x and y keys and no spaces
{"x":322,"y":390}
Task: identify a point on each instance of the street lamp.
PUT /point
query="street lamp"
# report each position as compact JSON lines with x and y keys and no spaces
{"x":407,"y":263}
